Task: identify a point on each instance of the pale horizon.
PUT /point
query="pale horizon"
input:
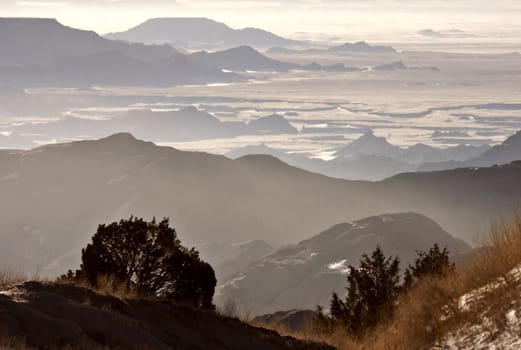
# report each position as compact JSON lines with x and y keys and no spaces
{"x":376,"y":19}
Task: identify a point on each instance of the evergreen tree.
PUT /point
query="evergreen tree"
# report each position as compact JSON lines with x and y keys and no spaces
{"x":372,"y":292}
{"x":434,"y":262}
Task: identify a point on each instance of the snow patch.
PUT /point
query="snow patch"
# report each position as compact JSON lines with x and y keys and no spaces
{"x":339,"y":266}
{"x":486,"y":333}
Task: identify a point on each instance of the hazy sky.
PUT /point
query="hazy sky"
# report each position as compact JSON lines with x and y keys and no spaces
{"x":346,"y":17}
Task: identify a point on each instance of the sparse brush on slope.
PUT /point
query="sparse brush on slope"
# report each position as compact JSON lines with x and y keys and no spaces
{"x":433,"y":308}
{"x":480,"y":295}
{"x":374,"y":291}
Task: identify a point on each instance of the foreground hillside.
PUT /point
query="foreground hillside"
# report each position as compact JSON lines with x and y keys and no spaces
{"x":477,"y":305}
{"x":45,"y":315}
{"x":53,"y":197}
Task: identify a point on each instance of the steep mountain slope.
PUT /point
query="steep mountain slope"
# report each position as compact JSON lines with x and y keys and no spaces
{"x":50,"y":316}
{"x":198,"y":33}
{"x":53,"y":197}
{"x":42,"y":52}
{"x":304,"y":275}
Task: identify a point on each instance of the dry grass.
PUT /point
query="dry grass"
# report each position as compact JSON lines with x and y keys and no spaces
{"x":430,"y":310}
{"x":10,"y":276}
{"x":10,"y":343}
{"x":105,"y":285}
{"x":229,"y":309}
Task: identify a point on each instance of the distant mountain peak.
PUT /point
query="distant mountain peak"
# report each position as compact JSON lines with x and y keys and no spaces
{"x":369,"y":143}
{"x":121,"y":137}
{"x":198,"y":33}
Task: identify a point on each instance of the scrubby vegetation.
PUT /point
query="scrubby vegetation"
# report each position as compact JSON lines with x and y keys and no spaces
{"x":434,"y":300}
{"x":429,"y":306}
{"x":9,"y":276}
{"x":142,"y":258}
{"x":374,"y":290}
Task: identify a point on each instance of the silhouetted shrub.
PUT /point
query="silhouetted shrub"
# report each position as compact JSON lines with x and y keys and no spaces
{"x":147,"y":258}
{"x":435,"y":262}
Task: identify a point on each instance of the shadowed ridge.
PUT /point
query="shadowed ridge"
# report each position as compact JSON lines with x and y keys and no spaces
{"x":49,"y":315}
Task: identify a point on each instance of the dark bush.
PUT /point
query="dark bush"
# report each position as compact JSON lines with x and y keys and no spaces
{"x":148,"y":259}
{"x":435,"y":262}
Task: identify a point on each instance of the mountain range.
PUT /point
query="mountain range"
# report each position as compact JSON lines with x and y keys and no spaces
{"x":246,"y":58}
{"x":46,"y":53}
{"x":186,"y":124}
{"x":360,"y":48}
{"x":53,"y":197}
{"x":372,"y":157}
{"x":306,"y":274}
{"x":199,"y":33}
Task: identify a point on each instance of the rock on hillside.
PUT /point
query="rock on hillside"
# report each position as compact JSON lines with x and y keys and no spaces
{"x":45,"y":315}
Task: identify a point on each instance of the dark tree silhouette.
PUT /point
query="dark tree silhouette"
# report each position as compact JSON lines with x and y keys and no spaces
{"x":435,"y":262}
{"x":372,"y":292}
{"x":148,"y":258}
